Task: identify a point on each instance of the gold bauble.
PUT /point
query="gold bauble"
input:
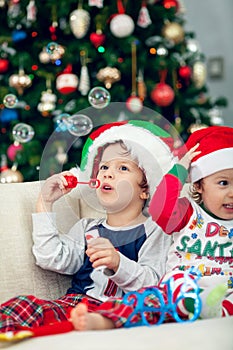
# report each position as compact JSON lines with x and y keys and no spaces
{"x":10,"y":175}
{"x":108,"y":75}
{"x":173,"y":32}
{"x":199,"y":74}
{"x":20,"y":81}
{"x":44,"y":56}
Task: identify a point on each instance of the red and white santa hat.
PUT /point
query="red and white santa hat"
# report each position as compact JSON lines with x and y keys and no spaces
{"x":150,"y":145}
{"x":216,"y":146}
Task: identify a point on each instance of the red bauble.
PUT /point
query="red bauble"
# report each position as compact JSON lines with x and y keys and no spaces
{"x":97,"y":39}
{"x":4,"y":65}
{"x":162,"y":95}
{"x":171,"y":3}
{"x":185,"y":72}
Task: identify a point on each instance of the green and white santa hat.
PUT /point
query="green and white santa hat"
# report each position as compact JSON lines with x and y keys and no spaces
{"x":147,"y":143}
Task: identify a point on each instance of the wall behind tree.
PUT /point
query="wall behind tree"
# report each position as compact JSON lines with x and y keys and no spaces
{"x":211,"y":21}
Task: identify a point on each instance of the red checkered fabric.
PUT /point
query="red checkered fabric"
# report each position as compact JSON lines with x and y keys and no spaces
{"x":29,"y":311}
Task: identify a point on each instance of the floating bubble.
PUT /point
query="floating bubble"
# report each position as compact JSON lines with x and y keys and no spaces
{"x":59,"y":121}
{"x":99,"y":97}
{"x":79,"y":124}
{"x":10,"y":101}
{"x":23,"y":132}
{"x":52,"y":47}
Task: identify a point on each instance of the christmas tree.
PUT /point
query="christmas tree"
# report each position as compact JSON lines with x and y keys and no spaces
{"x":57,"y":56}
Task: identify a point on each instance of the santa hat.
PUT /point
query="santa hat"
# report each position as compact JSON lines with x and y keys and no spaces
{"x":147,"y":143}
{"x":216,"y":146}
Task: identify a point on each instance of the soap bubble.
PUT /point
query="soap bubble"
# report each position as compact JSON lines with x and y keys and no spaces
{"x":79,"y":124}
{"x":99,"y":97}
{"x":23,"y":132}
{"x":52,"y":47}
{"x":10,"y":101}
{"x":59,"y":121}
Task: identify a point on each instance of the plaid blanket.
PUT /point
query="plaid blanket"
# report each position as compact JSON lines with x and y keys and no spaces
{"x":29,"y":311}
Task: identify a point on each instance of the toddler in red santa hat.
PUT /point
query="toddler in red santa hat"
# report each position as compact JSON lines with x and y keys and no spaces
{"x":202,"y":224}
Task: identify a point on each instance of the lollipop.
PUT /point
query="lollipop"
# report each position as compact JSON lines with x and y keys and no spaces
{"x":73,"y":182}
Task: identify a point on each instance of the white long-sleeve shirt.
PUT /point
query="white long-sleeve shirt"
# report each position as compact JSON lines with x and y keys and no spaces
{"x":143,"y":250}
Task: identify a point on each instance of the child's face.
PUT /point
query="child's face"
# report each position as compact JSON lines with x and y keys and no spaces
{"x":119,"y":177}
{"x":217,"y":193}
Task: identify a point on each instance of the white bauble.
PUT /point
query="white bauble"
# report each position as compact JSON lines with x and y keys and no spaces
{"x":134,"y":104}
{"x":66,"y":83}
{"x":122,"y":26}
{"x":79,"y":23}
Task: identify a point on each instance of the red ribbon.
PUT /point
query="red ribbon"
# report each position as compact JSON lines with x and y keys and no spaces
{"x":120,"y":7}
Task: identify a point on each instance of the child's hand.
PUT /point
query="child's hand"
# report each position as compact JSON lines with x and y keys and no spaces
{"x":53,"y":189}
{"x":101,"y":252}
{"x":186,"y":160}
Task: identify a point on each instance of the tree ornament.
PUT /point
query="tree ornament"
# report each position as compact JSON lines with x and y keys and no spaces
{"x":2,"y":3}
{"x":162,"y":51}
{"x":121,"y":25}
{"x":53,"y":29}
{"x":141,"y":86}
{"x":4,"y":65}
{"x":97,"y":3}
{"x":163,"y":95}
{"x":11,"y":175}
{"x":173,"y":32}
{"x":48,"y":101}
{"x":97,"y":38}
{"x":199,"y":74}
{"x":185,"y":72}
{"x":44,"y":56}
{"x":13,"y":149}
{"x":31,"y":11}
{"x":192,"y":45}
{"x":84,"y":81}
{"x":79,"y":22}
{"x":108,"y":76}
{"x":168,"y":4}
{"x":215,"y":115}
{"x":134,"y":104}
{"x":67,"y":82}
{"x":20,"y":81}
{"x":144,"y":19}
{"x":13,"y":13}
